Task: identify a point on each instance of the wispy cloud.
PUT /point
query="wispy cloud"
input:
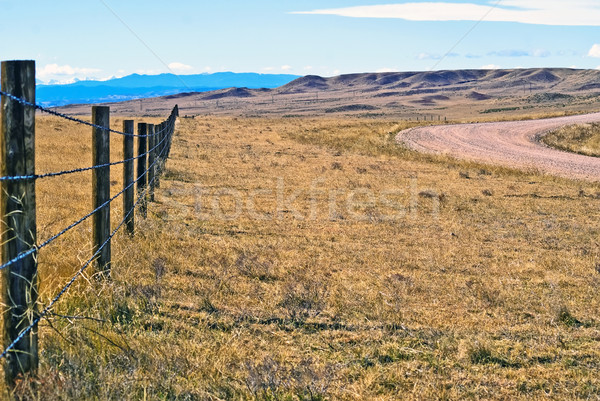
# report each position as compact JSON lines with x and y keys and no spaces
{"x":538,"y":12}
{"x":520,"y":53}
{"x":428,"y":56}
{"x":490,"y":67}
{"x":286,"y":67}
{"x":64,"y":73}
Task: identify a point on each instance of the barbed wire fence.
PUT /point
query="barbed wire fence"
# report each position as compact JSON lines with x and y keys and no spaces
{"x":18,"y":263}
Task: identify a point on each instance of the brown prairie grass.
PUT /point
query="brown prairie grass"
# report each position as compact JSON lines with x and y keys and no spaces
{"x":581,"y":138}
{"x":309,"y":259}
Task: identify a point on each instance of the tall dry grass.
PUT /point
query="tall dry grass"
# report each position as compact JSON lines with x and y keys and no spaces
{"x":313,"y":259}
{"x":582,"y":138}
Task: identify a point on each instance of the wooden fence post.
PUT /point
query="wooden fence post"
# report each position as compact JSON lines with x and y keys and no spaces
{"x":141,"y":166}
{"x":17,"y":207}
{"x":158,"y":145}
{"x":171,"y":128}
{"x":101,"y":187}
{"x":129,"y":195}
{"x":151,"y":158}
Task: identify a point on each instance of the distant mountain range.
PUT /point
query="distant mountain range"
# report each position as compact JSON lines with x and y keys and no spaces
{"x":143,"y":86}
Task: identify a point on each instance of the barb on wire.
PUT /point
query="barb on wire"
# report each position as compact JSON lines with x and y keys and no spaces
{"x":23,"y":255}
{"x":67,"y":117}
{"x":77,"y":170}
{"x":162,"y":153}
{"x":45,"y":311}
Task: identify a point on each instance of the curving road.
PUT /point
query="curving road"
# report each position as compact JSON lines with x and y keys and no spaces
{"x":512,"y":144}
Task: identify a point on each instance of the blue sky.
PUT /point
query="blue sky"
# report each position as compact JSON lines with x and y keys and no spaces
{"x":87,"y":38}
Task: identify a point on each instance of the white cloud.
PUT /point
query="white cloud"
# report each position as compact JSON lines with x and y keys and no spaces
{"x":427,"y":56}
{"x":538,"y":12}
{"x":268,"y":69}
{"x":286,"y":67}
{"x":490,"y":67}
{"x":541,"y":53}
{"x":594,"y":51}
{"x":64,"y":73}
{"x":180,"y":67}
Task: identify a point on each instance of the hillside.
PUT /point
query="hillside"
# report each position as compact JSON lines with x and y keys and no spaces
{"x":423,"y":95}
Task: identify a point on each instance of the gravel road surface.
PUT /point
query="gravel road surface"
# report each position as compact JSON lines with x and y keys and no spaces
{"x":513,"y":144}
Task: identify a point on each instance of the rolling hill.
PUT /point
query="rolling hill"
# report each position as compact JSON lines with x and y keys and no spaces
{"x":429,"y":95}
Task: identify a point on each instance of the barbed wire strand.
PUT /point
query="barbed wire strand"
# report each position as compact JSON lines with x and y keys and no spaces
{"x":78,"y":170}
{"x":45,"y":311}
{"x":67,"y":117}
{"x":87,"y":216}
{"x":170,"y":124}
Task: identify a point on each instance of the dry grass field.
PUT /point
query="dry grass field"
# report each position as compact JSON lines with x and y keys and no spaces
{"x":314,"y":259}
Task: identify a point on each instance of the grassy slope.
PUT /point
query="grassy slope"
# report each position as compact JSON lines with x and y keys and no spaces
{"x":583,"y":139}
{"x":494,"y":297}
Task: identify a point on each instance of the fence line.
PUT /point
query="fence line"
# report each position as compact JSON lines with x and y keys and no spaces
{"x":18,"y":177}
{"x":78,"y":170}
{"x":65,"y":116}
{"x":73,"y":225}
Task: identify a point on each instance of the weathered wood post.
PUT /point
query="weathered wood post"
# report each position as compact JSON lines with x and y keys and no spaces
{"x":158,"y":145}
{"x":129,"y":195}
{"x":174,"y":115}
{"x":101,"y":187}
{"x":141,"y":166}
{"x":151,"y":164}
{"x":17,"y":207}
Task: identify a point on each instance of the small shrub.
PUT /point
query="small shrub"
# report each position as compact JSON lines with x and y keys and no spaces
{"x":566,"y":318}
{"x":303,"y":298}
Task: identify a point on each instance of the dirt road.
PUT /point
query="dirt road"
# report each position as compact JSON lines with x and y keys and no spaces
{"x":513,"y":144}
